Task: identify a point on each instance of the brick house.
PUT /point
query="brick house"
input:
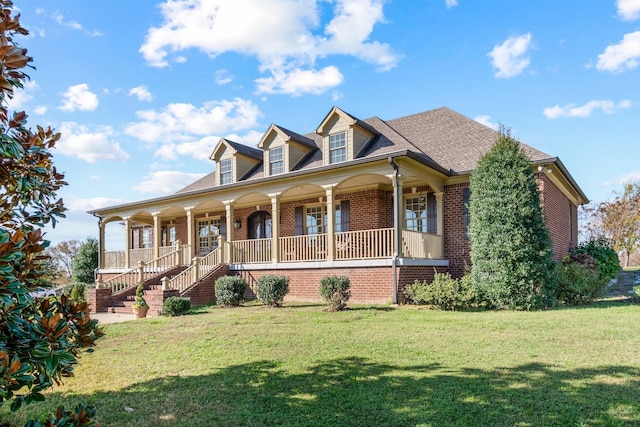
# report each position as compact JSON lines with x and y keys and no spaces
{"x":382,"y":202}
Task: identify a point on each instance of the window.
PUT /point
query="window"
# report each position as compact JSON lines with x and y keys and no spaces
{"x":276,"y":161}
{"x":315,"y":220}
{"x":226,"y":169}
{"x":147,"y":237}
{"x":208,"y":234}
{"x":338,"y":147}
{"x":169,"y":235}
{"x":466,"y":195}
{"x":415,"y":214}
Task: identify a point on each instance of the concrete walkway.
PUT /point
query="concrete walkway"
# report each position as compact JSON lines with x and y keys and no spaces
{"x":106,"y":318}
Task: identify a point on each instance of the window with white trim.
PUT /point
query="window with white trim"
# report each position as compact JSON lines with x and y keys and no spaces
{"x":315,"y":220}
{"x":276,"y":160}
{"x":208,"y":235}
{"x":415,"y":214}
{"x":169,"y":235}
{"x":338,"y":147}
{"x":226,"y":171}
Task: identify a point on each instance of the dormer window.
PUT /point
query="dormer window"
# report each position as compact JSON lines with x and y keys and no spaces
{"x":226,"y":171}
{"x":338,"y":147}
{"x":276,"y":161}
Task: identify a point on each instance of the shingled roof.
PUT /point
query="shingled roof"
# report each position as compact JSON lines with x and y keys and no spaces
{"x":441,"y":136}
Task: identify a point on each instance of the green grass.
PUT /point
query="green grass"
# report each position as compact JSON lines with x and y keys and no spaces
{"x":368,"y":366}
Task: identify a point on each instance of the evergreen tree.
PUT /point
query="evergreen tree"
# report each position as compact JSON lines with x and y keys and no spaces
{"x":86,"y":261}
{"x":510,"y":245}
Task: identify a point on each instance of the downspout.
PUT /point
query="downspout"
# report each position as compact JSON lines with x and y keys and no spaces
{"x":396,"y":230}
{"x":95,"y":272}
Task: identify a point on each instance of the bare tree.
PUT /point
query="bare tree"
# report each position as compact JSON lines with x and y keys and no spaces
{"x":616,"y":220}
{"x":63,"y":254}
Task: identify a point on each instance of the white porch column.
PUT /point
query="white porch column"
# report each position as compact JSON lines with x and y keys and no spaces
{"x":228,"y":207}
{"x":101,"y":227}
{"x":440,"y":226}
{"x":275,"y":226}
{"x":127,"y":242}
{"x":190,"y":233}
{"x":401,"y":215}
{"x":331,"y":222}
{"x":157,"y":235}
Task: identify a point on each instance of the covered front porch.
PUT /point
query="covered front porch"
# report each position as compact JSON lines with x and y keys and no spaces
{"x":356,"y":219}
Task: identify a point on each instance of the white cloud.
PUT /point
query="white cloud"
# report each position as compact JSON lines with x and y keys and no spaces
{"x":223,"y":77}
{"x":200,"y":149}
{"x":285,"y":36}
{"x":629,"y":10}
{"x":573,"y":110}
{"x":85,"y":205}
{"x":296,"y":82}
{"x":622,"y":56}
{"x":77,"y":141}
{"x":79,"y":97}
{"x":142,"y":93}
{"x":510,"y":58}
{"x":451,"y":3}
{"x":22,"y":96}
{"x":181,"y":122}
{"x":486,"y":120}
{"x":59,"y":18}
{"x":40,"y":110}
{"x":167,"y":181}
{"x":629,"y":178}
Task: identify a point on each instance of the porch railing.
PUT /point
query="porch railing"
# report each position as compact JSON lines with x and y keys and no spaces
{"x":421,"y":245}
{"x":251,"y":251}
{"x":116,"y":259}
{"x":303,"y":248}
{"x":200,"y":267}
{"x":364,"y":244}
{"x":146,"y":270}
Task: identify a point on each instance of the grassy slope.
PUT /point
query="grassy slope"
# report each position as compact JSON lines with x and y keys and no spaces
{"x":298,"y":365}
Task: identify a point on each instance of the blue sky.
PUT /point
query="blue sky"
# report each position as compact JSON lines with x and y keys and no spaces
{"x":142,"y":91}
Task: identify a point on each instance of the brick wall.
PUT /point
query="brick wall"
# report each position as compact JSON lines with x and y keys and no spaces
{"x":368,"y":285}
{"x":98,"y":300}
{"x":204,"y":292}
{"x":409,"y":274}
{"x":456,"y":247}
{"x":561,"y":216}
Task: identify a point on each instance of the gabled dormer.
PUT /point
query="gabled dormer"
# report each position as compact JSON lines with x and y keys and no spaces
{"x":343,"y":136}
{"x":234,"y":161}
{"x":283,"y":149}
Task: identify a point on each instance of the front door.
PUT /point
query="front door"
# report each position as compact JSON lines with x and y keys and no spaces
{"x":259,"y":225}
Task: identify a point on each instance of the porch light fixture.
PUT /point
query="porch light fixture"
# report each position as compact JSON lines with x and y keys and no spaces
{"x":237,"y":224}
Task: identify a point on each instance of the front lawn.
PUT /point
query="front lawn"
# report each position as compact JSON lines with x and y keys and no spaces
{"x":368,"y":366}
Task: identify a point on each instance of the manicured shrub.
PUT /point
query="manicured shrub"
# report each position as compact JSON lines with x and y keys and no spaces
{"x":230,"y":290}
{"x":512,"y":266}
{"x":76,"y":291}
{"x":271,"y":290}
{"x":176,"y":306}
{"x":578,"y":281}
{"x":444,"y":292}
{"x":335,"y":290}
{"x":606,"y":258}
{"x":636,"y":293}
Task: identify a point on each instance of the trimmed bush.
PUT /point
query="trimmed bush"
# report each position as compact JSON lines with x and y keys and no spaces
{"x":606,"y":258}
{"x":444,"y":292}
{"x":176,"y":306}
{"x":76,"y":291}
{"x":271,"y":290}
{"x":335,"y":290}
{"x":230,"y":290}
{"x":578,"y":281}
